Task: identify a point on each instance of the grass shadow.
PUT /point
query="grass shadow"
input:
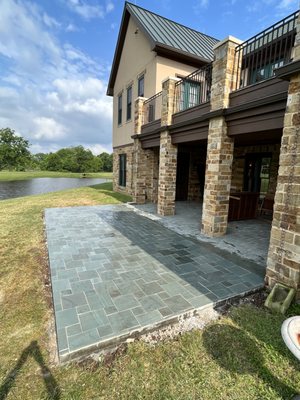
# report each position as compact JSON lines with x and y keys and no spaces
{"x":266,"y":329}
{"x":243,"y":357}
{"x":33,"y":350}
{"x":107,"y":189}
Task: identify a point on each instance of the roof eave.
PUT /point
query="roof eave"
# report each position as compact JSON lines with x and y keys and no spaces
{"x":161,"y":47}
{"x":118,"y":51}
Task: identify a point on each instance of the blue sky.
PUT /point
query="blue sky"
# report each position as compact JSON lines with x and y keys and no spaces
{"x":55,"y":59}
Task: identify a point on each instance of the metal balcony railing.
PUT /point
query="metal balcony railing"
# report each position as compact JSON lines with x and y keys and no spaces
{"x":258,"y":57}
{"x":193,"y":89}
{"x":152,"y":108}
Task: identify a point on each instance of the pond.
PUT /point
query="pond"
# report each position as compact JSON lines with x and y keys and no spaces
{"x":12,"y":189}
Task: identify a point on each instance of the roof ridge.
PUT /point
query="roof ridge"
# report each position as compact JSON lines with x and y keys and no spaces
{"x":171,"y":20}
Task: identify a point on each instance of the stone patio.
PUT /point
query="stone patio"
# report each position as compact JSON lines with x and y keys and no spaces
{"x":116,"y":273}
{"x":249,"y":239}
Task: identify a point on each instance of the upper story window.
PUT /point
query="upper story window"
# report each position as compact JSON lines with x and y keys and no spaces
{"x":129,"y":102}
{"x":141,"y":86}
{"x":120,"y":109}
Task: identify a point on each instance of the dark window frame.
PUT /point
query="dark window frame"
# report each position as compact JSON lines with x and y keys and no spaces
{"x":129,"y":103}
{"x":122,"y":169}
{"x":120,"y":108}
{"x":141,"y":86}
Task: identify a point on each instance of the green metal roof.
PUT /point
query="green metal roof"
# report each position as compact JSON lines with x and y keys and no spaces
{"x":169,"y":33}
{"x":167,"y":38}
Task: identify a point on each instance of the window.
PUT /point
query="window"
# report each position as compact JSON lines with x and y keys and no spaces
{"x":267,"y":71}
{"x":129,"y":102}
{"x":190,"y":94}
{"x":141,"y":86}
{"x":122,"y":170}
{"x":120,"y":109}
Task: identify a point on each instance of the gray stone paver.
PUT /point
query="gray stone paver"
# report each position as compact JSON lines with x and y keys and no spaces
{"x":114,"y":271}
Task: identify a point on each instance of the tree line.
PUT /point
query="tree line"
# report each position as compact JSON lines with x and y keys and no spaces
{"x":15,"y":155}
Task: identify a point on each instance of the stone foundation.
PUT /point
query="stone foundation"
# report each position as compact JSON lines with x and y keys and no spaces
{"x":145,"y":173}
{"x":129,"y":151}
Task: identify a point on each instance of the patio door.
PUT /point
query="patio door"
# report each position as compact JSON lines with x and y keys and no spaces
{"x":182,"y":177}
{"x":257,"y":173}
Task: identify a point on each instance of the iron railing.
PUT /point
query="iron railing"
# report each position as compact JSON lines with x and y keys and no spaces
{"x":152,"y":108}
{"x":257,"y":57}
{"x":193,"y":89}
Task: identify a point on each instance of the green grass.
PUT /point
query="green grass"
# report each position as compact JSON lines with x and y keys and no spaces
{"x":20,"y":175}
{"x":241,"y":356}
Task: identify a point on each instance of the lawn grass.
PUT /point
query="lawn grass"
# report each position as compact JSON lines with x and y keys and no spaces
{"x":241,"y":356}
{"x":22,"y":175}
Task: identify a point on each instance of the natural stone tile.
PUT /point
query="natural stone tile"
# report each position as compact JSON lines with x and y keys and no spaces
{"x":73,"y":329}
{"x":66,"y":318}
{"x":73,"y":300}
{"x":122,"y":320}
{"x":84,"y":339}
{"x":125,"y":302}
{"x":178,"y":303}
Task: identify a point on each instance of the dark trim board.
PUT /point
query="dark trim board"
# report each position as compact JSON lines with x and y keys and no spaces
{"x":259,"y":91}
{"x":122,"y":145}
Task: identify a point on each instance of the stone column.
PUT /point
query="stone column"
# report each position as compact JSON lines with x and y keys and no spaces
{"x":219,"y":146}
{"x":167,"y":153}
{"x":139,"y":159}
{"x":283,"y":264}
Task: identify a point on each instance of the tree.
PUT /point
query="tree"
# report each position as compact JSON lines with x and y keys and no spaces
{"x":14,"y":153}
{"x":52,"y":162}
{"x":106,"y":161}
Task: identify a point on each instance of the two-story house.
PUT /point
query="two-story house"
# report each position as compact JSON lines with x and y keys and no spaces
{"x":217,"y":122}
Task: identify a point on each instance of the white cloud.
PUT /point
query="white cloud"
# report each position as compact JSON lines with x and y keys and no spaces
{"x":287,"y":4}
{"x":88,"y":11}
{"x":109,"y":7}
{"x":48,"y":129}
{"x":71,"y":28}
{"x":202,"y":4}
{"x":53,"y":94}
{"x":50,"y":22}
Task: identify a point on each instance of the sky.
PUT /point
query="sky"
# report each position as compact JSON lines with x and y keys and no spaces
{"x":56,"y":56}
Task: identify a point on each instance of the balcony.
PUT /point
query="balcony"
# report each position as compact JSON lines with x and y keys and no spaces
{"x":258,"y":57}
{"x":193,"y":89}
{"x":152,"y":108}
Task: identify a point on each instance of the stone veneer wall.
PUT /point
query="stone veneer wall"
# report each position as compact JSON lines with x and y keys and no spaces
{"x":238,"y":165}
{"x":152,"y":183}
{"x":129,"y":151}
{"x":283,"y":263}
{"x":145,"y":173}
{"x":197,"y":157}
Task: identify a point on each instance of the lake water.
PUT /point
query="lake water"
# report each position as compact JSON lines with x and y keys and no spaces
{"x":12,"y":189}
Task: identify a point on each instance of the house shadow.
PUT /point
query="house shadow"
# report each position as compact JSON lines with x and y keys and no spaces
{"x":242,"y":357}
{"x":33,"y":350}
{"x":179,"y":253}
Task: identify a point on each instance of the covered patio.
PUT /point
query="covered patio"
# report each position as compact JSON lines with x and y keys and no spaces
{"x":248,"y":239}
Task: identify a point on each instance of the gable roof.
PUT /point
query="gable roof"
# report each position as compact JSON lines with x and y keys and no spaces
{"x":166,"y":37}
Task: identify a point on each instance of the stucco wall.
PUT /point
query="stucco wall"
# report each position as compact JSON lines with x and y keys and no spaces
{"x":136,"y":58}
{"x":166,"y":67}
